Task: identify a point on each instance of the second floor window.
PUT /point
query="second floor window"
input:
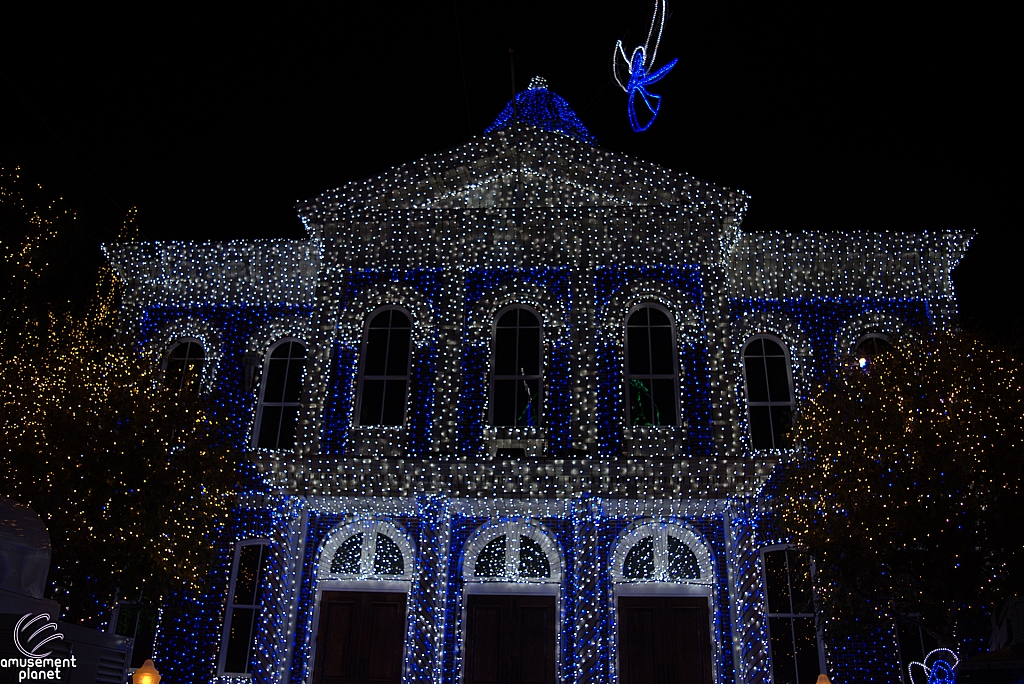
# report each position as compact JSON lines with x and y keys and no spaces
{"x":769,"y":392}
{"x":183,"y":369}
{"x":279,"y":396}
{"x":384,"y":379}
{"x":516,"y":364}
{"x":651,"y":370}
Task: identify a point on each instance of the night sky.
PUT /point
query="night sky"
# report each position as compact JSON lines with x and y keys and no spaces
{"x":832,"y":116}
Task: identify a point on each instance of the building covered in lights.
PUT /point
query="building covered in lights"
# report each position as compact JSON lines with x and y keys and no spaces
{"x":510,"y":409}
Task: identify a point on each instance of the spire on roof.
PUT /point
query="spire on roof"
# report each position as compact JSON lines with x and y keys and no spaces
{"x":544,"y":109}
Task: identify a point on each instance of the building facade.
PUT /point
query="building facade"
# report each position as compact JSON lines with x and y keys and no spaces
{"x":510,"y":409}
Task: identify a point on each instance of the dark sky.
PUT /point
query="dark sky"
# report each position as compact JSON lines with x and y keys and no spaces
{"x":834,"y":116}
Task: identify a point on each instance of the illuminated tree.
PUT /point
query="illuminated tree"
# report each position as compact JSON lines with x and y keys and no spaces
{"x":129,"y":476}
{"x":909,"y":494}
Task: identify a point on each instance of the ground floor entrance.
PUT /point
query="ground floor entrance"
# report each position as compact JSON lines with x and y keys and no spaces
{"x":360,"y":638}
{"x":510,"y":639}
{"x":664,"y":639}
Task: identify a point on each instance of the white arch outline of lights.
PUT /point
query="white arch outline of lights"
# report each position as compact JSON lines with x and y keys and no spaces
{"x":484,"y":313}
{"x":511,"y":582}
{"x":370,"y":528}
{"x":512,"y":529}
{"x":705,"y":586}
{"x":182,"y":330}
{"x":879,"y":323}
{"x":660,"y":531}
{"x":744,"y":389}
{"x":686,"y":315}
{"x":363,"y":581}
{"x":352,"y":319}
{"x":793,"y":339}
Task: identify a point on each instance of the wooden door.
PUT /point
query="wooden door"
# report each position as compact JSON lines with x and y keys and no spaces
{"x":510,"y":639}
{"x":360,"y":638}
{"x":664,"y":639}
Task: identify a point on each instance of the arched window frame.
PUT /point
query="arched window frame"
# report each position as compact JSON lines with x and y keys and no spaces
{"x":370,"y":529}
{"x":165,"y":362}
{"x":791,"y":404}
{"x":493,"y":377}
{"x":264,"y":378}
{"x":862,"y":360}
{"x":512,"y":530}
{"x":660,"y":531}
{"x":627,"y":376}
{"x":362,"y":377}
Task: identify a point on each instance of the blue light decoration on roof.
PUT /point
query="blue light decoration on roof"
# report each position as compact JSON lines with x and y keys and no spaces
{"x":544,"y":109}
{"x":639,"y":78}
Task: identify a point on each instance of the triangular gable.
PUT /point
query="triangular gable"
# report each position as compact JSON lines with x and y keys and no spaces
{"x":520,"y":166}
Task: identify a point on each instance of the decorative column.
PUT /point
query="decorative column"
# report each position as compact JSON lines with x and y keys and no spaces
{"x":429,"y":590}
{"x":588,"y":659}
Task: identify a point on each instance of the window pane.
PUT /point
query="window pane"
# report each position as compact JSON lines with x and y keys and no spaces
{"x":639,"y":352}
{"x":372,"y":402}
{"x":294,"y":385}
{"x":806,"y":639}
{"x":658,"y":317}
{"x":509,"y":319}
{"x":270,"y":423}
{"x":529,"y":351}
{"x":640,"y":407}
{"x":639,"y":317}
{"x":778,"y":378}
{"x":664,"y":401}
{"x":375,"y":362}
{"x":783,"y":658}
{"x":399,"y":320}
{"x":639,"y":563}
{"x":276,"y":371}
{"x":250,"y":561}
{"x":772,"y":348}
{"x":282,"y":351}
{"x":286,"y":437}
{"x":398,"y":352}
{"x":781,"y":422}
{"x":761,"y":427}
{"x":776,"y":581}
{"x":662,"y":353}
{"x":533,"y":562}
{"x":505,"y":362}
{"x":755,"y":348}
{"x":491,"y":561}
{"x":346,"y":557}
{"x":528,"y":403}
{"x":682,"y":563}
{"x":387,"y":559}
{"x":239,"y":640}
{"x":382,"y":319}
{"x":800,"y":581}
{"x":757,"y":386}
{"x":504,"y":403}
{"x":393,"y":412}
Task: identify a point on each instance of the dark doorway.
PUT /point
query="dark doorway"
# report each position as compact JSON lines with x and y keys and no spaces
{"x":360,"y":638}
{"x":664,"y":639}
{"x":510,"y":639}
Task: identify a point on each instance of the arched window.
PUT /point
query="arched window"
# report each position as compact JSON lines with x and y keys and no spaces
{"x":369,"y":549}
{"x":869,"y":346}
{"x":516,"y":364}
{"x":183,"y":368}
{"x":661,"y":553}
{"x":769,"y":392}
{"x":278,"y":409}
{"x":651,"y":368}
{"x":384,"y":379}
{"x":513,"y":551}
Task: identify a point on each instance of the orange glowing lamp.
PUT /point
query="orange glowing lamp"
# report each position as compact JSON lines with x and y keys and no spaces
{"x":146,"y":674}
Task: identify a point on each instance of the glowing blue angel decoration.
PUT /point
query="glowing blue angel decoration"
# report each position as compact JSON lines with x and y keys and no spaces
{"x":939,"y":667}
{"x":638,"y":65}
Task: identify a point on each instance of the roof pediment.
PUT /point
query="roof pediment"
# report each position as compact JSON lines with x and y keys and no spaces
{"x":520,"y":166}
